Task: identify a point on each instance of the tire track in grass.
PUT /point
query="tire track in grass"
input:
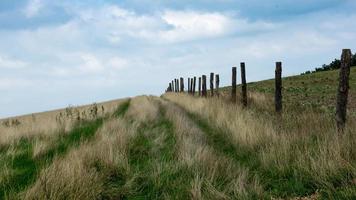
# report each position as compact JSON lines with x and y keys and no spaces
{"x":276,"y":183}
{"x":154,"y":164}
{"x":26,"y":168}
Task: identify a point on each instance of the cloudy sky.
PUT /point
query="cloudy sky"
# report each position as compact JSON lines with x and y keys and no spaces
{"x":56,"y":53}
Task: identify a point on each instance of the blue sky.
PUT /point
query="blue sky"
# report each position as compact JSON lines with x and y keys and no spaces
{"x":57,"y":53}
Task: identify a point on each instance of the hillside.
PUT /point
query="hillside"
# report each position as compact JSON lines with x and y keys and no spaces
{"x":182,"y":147}
{"x":315,"y":91}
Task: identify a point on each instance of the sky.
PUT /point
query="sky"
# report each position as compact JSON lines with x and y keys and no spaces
{"x":73,"y":52}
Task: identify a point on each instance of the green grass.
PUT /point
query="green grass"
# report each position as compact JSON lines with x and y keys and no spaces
{"x":153,"y":172}
{"x":25,"y":168}
{"x":122,"y":109}
{"x":315,"y":91}
{"x":276,"y":182}
{"x":145,"y":156}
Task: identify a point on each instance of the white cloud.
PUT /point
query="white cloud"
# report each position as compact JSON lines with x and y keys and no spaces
{"x":15,"y":83}
{"x":90,"y":64}
{"x":170,"y":26}
{"x":9,"y":63}
{"x":33,"y":7}
{"x":188,"y":25}
{"x":107,"y":46}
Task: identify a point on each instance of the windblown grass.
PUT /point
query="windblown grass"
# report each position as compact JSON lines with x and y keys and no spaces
{"x":22,"y":158}
{"x":294,"y":157}
{"x":52,"y":122}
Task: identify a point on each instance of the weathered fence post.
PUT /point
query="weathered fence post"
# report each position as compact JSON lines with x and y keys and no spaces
{"x":217,"y":84}
{"x":233,"y":86}
{"x":194,"y":84}
{"x":204,"y":93}
{"x":212,"y":84}
{"x":191,"y":85}
{"x":177,"y":85}
{"x":278,"y":87}
{"x":173,"y":85}
{"x":343,"y":89}
{"x":188,"y":85}
{"x":181,"y":84}
{"x":243,"y":86}
{"x":170,"y":87}
{"x":199,"y":86}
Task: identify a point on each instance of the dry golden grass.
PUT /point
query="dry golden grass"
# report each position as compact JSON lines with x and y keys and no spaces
{"x":82,"y":173}
{"x":209,"y":167}
{"x":75,"y":176}
{"x":49,"y":123}
{"x":143,"y":108}
{"x":306,"y":142}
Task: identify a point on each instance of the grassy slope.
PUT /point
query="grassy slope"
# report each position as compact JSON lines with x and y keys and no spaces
{"x":317,"y":90}
{"x":25,"y":167}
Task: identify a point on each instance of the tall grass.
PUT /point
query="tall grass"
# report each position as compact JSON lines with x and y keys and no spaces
{"x":100,"y":168}
{"x":304,"y":148}
{"x":23,"y":157}
{"x":215,"y":175}
{"x":50,"y":123}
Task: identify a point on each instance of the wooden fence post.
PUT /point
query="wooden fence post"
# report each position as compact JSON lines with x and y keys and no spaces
{"x":191,"y":85}
{"x":343,"y":89}
{"x":212,"y":84}
{"x":177,"y":87}
{"x":204,"y":93}
{"x":188,"y":85}
{"x":278,"y":87}
{"x":181,"y":84}
{"x":172,"y":86}
{"x":199,"y":87}
{"x":178,"y":84}
{"x":244,"y":85}
{"x":217,"y":84}
{"x":194,"y":84}
{"x":233,"y":86}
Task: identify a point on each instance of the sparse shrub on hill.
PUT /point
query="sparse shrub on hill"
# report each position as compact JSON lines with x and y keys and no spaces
{"x":332,"y":66}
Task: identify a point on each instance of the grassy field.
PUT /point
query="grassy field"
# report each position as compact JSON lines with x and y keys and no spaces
{"x":315,"y":91}
{"x":182,"y":147}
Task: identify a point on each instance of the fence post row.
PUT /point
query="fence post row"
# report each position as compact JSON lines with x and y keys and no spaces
{"x":244,"y":85}
{"x":204,"y":93}
{"x":343,"y":89}
{"x":199,"y":86}
{"x":217,"y":84}
{"x":194,"y":84}
{"x":212,"y":84}
{"x":233,"y":86}
{"x":278,"y":87}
